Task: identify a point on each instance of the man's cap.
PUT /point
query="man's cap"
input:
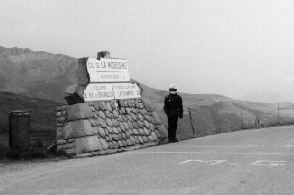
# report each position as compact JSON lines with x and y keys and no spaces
{"x":173,"y":87}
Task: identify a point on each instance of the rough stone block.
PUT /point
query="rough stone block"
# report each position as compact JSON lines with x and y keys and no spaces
{"x":61,"y":141}
{"x":103,"y":143}
{"x":156,"y":118}
{"x":79,"y":111}
{"x":87,"y":144}
{"x":77,"y":129}
{"x":162,"y":130}
{"x":83,"y":75}
{"x":61,"y":108}
{"x":74,"y":94}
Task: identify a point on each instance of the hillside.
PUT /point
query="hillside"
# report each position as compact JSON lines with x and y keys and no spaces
{"x":45,"y":75}
{"x":36,"y":74}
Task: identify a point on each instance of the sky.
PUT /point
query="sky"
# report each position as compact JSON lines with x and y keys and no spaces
{"x":227,"y":47}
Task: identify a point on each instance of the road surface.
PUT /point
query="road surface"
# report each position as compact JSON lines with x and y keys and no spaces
{"x":250,"y":162}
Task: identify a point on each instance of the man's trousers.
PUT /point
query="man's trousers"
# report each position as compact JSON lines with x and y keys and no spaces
{"x":172,"y":127}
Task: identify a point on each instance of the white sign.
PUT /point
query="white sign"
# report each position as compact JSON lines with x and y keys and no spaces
{"x":108,"y":70}
{"x":96,"y":92}
{"x":126,"y":90}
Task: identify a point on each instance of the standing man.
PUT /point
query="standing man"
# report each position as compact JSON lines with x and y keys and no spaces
{"x":173,"y":107}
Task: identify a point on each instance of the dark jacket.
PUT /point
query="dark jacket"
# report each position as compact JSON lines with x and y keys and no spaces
{"x":173,"y":105}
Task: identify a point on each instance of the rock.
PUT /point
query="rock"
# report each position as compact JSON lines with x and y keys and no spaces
{"x":151,"y":127}
{"x":137,"y":141}
{"x":115,"y":130}
{"x":113,"y":104}
{"x":135,"y":125}
{"x":121,"y":103}
{"x":95,"y":130}
{"x":145,"y":139}
{"x":130,"y":124}
{"x":124,"y":143}
{"x":140,"y":117}
{"x":123,"y":110}
{"x":101,"y":114}
{"x":80,"y":128}
{"x":95,"y":115}
{"x":127,"y":134}
{"x":141,"y":105}
{"x":126,"y":125}
{"x":71,"y":140}
{"x":137,"y":104}
{"x":83,"y":75}
{"x":152,"y":120}
{"x":108,"y":122}
{"x":74,"y":94}
{"x":109,"y":129}
{"x":156,"y":118}
{"x":136,"y":132}
{"x":162,"y":130}
{"x":115,"y":144}
{"x":121,"y":126}
{"x":128,"y":110}
{"x":103,"y":143}
{"x":124,"y":118}
{"x":114,"y":122}
{"x":61,"y":108}
{"x":107,"y":138}
{"x":58,"y":114}
{"x":132,"y":103}
{"x":129,"y":142}
{"x":108,"y":106}
{"x":157,"y":133}
{"x":87,"y":144}
{"x":119,"y":130}
{"x":60,"y":133}
{"x":96,"y":106}
{"x":140,"y":124}
{"x":123,"y":135}
{"x":119,"y":136}
{"x":92,"y":122}
{"x":134,"y":117}
{"x":141,"y":131}
{"x":61,"y":141}
{"x":154,"y":136}
{"x":115,"y":113}
{"x":102,"y":122}
{"x":120,"y":144}
{"x":115,"y":137}
{"x":130,"y":118}
{"x":146,"y":132}
{"x":108,"y":114}
{"x":102,"y":106}
{"x":92,"y":108}
{"x":106,"y":131}
{"x":146,"y":124}
{"x":79,"y":111}
{"x":150,"y":138}
{"x":134,"y":110}
{"x":110,"y":137}
{"x":101,"y":132}
{"x":110,"y":145}
{"x":140,"y":139}
{"x":126,"y":103}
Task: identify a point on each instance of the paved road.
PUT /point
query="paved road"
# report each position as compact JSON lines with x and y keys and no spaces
{"x":249,"y":162}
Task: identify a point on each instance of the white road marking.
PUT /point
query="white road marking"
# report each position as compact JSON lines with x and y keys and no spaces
{"x":268,"y":163}
{"x":285,"y":154}
{"x":214,"y":162}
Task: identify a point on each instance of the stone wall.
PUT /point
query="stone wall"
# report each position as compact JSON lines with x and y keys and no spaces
{"x":87,"y":129}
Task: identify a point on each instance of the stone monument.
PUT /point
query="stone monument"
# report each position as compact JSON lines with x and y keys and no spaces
{"x":105,"y":112}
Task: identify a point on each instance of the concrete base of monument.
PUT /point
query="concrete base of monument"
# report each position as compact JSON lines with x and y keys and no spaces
{"x":105,"y":127}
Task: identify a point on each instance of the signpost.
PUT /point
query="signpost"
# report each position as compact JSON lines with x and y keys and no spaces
{"x":108,"y":70}
{"x":109,"y":79}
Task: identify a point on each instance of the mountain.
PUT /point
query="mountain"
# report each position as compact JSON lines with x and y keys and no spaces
{"x":262,"y":96}
{"x":36,"y":74}
{"x":43,"y":75}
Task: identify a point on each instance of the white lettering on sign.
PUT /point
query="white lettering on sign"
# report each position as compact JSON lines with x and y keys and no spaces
{"x":126,"y":90}
{"x":210,"y":162}
{"x":97,"y":92}
{"x":108,"y":70}
{"x":268,"y":163}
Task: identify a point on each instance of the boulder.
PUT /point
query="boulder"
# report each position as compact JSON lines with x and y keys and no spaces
{"x":79,"y":111}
